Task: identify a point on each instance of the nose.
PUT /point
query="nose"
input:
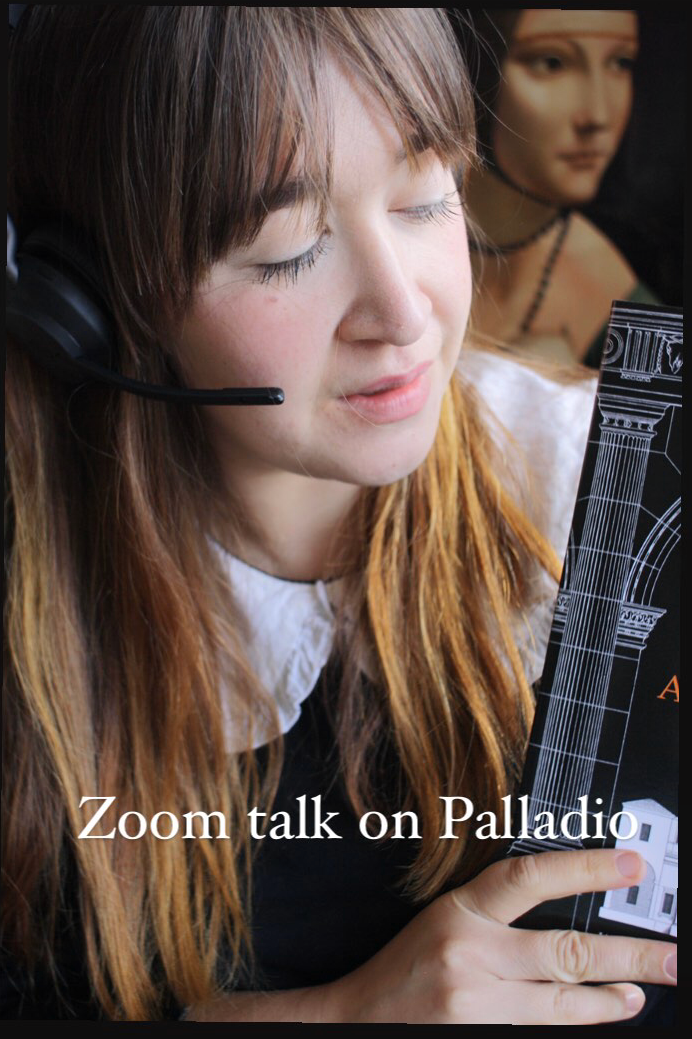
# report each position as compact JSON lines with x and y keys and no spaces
{"x":593,"y":105}
{"x":388,"y":303}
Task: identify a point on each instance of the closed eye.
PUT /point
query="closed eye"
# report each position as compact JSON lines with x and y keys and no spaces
{"x":290,"y":269}
{"x":445,"y":209}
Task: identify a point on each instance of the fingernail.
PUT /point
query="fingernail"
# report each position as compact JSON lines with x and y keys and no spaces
{"x":628,"y":864}
{"x":634,"y":1000}
{"x":670,"y":966}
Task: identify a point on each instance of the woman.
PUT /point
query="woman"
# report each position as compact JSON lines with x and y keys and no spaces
{"x":558,"y":97}
{"x":274,"y":195}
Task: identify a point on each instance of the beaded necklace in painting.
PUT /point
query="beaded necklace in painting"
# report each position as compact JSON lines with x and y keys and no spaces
{"x":562,"y":218}
{"x":546,"y":274}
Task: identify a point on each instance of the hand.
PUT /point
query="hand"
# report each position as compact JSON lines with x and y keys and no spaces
{"x":459,"y":962}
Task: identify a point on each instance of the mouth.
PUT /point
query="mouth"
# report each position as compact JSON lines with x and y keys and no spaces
{"x":393,"y":397}
{"x":390,"y":382}
{"x":585,"y":158}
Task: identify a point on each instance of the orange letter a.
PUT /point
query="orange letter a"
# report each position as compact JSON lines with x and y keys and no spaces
{"x":673,"y":688}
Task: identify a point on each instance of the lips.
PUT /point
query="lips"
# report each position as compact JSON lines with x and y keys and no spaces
{"x":583,"y":156}
{"x":391,"y":398}
{"x":390,"y":382}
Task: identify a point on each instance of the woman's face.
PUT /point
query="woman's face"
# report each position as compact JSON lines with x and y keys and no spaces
{"x":565,"y":100}
{"x":359,"y":319}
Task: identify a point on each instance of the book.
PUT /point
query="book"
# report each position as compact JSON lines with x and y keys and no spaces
{"x":602,"y":763}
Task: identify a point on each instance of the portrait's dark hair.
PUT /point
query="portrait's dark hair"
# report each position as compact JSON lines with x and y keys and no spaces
{"x":484,"y":36}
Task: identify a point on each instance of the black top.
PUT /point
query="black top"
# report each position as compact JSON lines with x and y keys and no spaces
{"x":323,"y":905}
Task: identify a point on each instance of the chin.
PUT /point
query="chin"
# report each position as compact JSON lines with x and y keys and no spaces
{"x":382,"y":466}
{"x":579,"y":190}
{"x":580,"y":198}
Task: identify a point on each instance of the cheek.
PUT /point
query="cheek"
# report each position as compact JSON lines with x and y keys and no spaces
{"x":528,"y":116}
{"x":258,"y":339}
{"x":622,"y":106}
{"x":451,"y":282}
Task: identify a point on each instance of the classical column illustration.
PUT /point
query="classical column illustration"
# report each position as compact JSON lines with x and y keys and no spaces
{"x":604,"y":609}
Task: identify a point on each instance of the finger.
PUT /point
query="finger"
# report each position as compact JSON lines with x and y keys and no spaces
{"x":508,"y":889}
{"x":572,"y":957}
{"x":536,"y":1003}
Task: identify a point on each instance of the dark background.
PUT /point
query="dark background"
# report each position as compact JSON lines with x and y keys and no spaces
{"x":641,"y":201}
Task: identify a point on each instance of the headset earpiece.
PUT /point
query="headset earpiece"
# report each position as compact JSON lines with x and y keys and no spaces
{"x":57,"y":310}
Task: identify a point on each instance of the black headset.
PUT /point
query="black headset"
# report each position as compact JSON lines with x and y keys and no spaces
{"x":58,"y":311}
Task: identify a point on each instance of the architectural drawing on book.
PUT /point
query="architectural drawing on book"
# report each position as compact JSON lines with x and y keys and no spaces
{"x":618,"y":594}
{"x":652,"y":904}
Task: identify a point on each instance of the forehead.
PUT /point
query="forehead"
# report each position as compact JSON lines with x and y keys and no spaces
{"x":359,"y":118}
{"x":364,"y":142}
{"x":555,"y":22}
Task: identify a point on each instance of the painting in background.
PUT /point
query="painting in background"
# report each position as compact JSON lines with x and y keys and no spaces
{"x":578,"y":197}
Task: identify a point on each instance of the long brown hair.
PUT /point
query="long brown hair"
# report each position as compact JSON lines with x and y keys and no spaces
{"x":160,"y":131}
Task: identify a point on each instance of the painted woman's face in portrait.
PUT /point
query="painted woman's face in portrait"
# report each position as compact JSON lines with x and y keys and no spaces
{"x":565,"y":101}
{"x":359,"y":319}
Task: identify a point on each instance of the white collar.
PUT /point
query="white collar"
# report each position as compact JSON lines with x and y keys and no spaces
{"x":291,"y":633}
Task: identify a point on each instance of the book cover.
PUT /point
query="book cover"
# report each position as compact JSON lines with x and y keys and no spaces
{"x":602,"y":764}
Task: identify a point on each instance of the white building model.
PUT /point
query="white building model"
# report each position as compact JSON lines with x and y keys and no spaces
{"x":652,"y":904}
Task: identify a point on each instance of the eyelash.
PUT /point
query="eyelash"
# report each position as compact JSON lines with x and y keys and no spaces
{"x":289,"y":270}
{"x":446,"y":209}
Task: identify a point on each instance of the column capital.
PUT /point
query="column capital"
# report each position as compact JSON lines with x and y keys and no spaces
{"x":622,"y":413}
